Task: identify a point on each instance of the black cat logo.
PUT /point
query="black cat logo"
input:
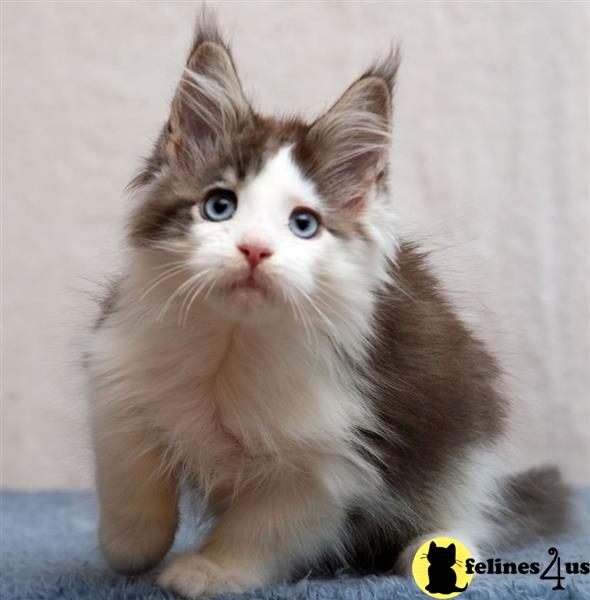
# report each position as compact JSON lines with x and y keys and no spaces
{"x":442,"y":579}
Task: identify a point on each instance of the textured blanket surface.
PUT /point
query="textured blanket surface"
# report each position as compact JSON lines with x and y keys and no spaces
{"x":49,"y":551}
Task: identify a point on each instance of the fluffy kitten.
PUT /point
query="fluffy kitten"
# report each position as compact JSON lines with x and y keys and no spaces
{"x":275,"y":346}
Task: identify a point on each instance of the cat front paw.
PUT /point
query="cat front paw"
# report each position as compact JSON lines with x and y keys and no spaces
{"x":194,"y":575}
{"x":403,"y":564}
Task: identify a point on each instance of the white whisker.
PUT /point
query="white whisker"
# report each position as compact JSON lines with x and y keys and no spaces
{"x":160,"y":279}
{"x":194,"y":296}
{"x":180,"y":290}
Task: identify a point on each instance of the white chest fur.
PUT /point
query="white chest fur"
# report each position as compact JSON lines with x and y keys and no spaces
{"x":228,"y":400}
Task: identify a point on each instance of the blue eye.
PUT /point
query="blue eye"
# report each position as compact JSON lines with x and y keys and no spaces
{"x":220,"y":205}
{"x":304,"y":223}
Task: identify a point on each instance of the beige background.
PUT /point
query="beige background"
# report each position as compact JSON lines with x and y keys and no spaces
{"x":491,"y":158}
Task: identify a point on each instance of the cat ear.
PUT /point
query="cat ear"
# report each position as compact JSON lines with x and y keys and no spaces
{"x":452,"y":550}
{"x":351,"y":141}
{"x":432,"y":546}
{"x":209,"y":104}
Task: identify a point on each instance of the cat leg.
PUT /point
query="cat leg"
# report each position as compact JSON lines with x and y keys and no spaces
{"x":258,"y":540}
{"x":138,"y":502}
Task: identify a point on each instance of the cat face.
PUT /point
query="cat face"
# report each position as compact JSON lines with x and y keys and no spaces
{"x":260,"y":217}
{"x":261,"y":240}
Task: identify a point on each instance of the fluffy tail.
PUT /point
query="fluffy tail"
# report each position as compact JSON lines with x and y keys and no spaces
{"x":536,"y":504}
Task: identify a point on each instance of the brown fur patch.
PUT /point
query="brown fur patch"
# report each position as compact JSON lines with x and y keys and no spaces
{"x":435,"y":384}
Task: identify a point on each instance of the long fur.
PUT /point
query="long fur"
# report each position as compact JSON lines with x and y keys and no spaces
{"x":334,"y":415}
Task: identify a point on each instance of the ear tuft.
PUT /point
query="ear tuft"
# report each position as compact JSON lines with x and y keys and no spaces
{"x":209,"y":104}
{"x":386,"y":69}
{"x":207,"y":39}
{"x":207,"y":30}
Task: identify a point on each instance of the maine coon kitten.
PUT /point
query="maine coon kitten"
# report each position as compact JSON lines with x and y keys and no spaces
{"x":272,"y":344}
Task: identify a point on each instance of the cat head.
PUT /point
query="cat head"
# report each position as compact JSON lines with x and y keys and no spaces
{"x":259,"y":216}
{"x":442,"y":556}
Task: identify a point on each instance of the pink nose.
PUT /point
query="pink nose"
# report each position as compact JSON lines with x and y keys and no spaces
{"x":254,"y":253}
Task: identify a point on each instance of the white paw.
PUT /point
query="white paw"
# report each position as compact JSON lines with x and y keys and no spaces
{"x":403,"y":565}
{"x":193,"y":576}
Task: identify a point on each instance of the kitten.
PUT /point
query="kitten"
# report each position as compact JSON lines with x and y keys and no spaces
{"x":275,"y":346}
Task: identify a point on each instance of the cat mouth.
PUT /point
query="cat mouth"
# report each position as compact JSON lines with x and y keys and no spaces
{"x":251,"y":284}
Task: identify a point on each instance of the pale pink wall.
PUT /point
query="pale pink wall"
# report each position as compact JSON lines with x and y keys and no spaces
{"x":491,"y":159}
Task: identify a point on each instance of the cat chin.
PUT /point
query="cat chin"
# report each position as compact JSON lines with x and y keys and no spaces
{"x":246,"y":305}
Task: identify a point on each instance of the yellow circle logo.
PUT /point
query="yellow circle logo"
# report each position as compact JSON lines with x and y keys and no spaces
{"x":439,"y":567}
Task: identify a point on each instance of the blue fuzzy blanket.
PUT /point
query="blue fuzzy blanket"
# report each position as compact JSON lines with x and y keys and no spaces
{"x":49,"y":551}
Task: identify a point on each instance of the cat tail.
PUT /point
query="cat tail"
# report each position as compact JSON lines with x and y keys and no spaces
{"x":534,"y":504}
